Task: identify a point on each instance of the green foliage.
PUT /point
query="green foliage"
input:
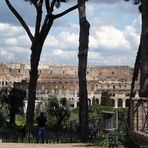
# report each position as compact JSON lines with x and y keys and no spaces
{"x":105,"y":99}
{"x":3,"y":104}
{"x":129,"y":142}
{"x":3,"y":95}
{"x":57,"y":111}
{"x":8,"y":131}
{"x":95,"y":110}
{"x":4,"y":112}
{"x":20,"y":120}
{"x":12,"y":103}
{"x":16,"y":100}
{"x":74,"y":114}
{"x":109,"y":142}
{"x":98,"y":108}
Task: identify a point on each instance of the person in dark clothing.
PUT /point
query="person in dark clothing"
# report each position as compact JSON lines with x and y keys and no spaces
{"x":41,"y":121}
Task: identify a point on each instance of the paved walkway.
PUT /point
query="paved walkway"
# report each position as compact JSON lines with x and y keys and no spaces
{"x":20,"y":145}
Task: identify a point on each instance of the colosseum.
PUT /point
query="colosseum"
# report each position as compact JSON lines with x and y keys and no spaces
{"x":62,"y":81}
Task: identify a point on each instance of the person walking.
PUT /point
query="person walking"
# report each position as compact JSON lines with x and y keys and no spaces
{"x":41,"y":121}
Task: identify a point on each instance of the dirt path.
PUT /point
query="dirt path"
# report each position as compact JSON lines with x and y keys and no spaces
{"x":20,"y":145}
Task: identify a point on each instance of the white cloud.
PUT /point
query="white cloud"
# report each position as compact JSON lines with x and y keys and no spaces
{"x":136,"y":24}
{"x":93,"y":42}
{"x":4,"y":54}
{"x":114,"y":36}
{"x":21,"y":50}
{"x":94,"y":55}
{"x":12,"y":36}
{"x":131,"y":35}
{"x":7,"y":30}
{"x":60,"y":53}
{"x":65,"y":40}
{"x":51,"y":41}
{"x":109,"y":38}
{"x":68,"y":40}
{"x":11,"y":41}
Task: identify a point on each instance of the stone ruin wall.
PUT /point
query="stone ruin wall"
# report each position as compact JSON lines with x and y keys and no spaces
{"x":62,"y":81}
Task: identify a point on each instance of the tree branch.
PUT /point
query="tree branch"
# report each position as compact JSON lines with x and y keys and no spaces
{"x":65,"y":12}
{"x":47,"y":5}
{"x":52,"y":5}
{"x":34,"y":2}
{"x":17,"y":15}
{"x":38,"y":18}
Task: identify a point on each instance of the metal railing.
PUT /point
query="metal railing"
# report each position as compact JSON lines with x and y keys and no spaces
{"x":139,"y":116}
{"x":68,"y":134}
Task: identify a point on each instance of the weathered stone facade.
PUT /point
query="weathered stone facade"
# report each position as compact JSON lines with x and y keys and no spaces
{"x":62,"y":81}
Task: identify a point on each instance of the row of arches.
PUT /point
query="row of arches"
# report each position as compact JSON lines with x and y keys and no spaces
{"x":116,"y":103}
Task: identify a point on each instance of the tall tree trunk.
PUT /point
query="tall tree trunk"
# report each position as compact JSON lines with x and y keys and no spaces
{"x":83,"y":51}
{"x":35,"y":56}
{"x":36,"y":49}
{"x":135,"y":72}
{"x":133,"y":90}
{"x":144,"y":51}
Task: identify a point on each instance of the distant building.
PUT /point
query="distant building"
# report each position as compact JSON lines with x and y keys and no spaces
{"x":62,"y":81}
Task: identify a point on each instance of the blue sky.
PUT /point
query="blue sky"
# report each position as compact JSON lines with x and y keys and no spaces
{"x":114,"y":34}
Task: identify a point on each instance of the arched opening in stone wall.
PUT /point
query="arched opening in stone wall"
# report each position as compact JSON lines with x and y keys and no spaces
{"x":120,"y":103}
{"x":78,"y":104}
{"x":93,"y":101}
{"x":72,"y":105}
{"x":97,"y":101}
{"x":89,"y":101}
{"x":113,"y":102}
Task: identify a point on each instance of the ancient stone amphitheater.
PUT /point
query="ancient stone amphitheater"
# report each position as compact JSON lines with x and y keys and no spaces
{"x":62,"y":81}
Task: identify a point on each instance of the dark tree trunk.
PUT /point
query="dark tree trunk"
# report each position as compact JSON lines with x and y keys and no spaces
{"x":133,"y":89}
{"x":135,"y":72}
{"x":141,"y":62}
{"x":83,"y":98}
{"x":35,"y":56}
{"x":144,"y":51}
{"x":34,"y":62}
{"x":83,"y":52}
